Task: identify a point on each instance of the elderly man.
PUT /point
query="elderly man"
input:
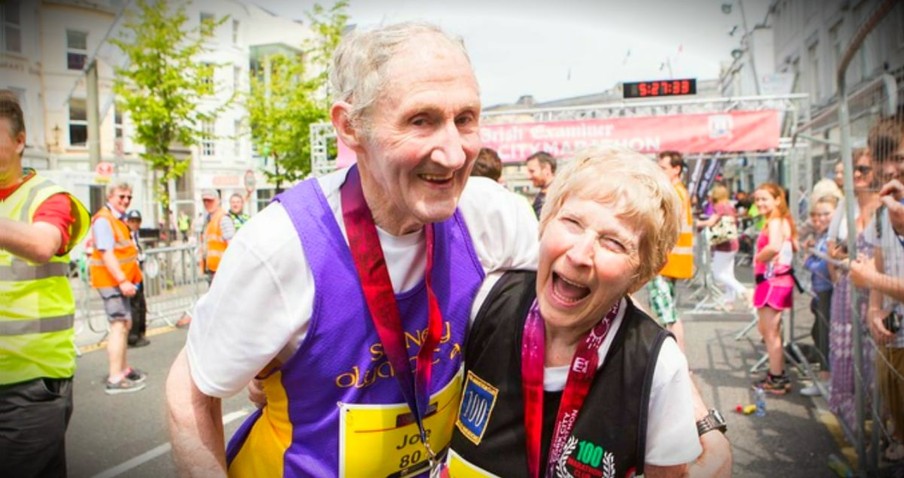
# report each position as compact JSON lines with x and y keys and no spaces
{"x":296,"y":304}
{"x":116,"y":274}
{"x":39,"y":224}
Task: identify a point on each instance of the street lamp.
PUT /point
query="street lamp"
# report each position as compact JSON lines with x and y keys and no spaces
{"x":746,"y":41}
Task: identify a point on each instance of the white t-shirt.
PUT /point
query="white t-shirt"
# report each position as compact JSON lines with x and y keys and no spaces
{"x":671,"y":431}
{"x":260,"y":304}
{"x":892,"y":259}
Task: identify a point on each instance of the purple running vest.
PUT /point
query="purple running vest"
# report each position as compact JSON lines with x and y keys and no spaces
{"x":340,"y":359}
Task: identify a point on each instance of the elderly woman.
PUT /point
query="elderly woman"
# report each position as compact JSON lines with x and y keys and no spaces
{"x":565,"y":374}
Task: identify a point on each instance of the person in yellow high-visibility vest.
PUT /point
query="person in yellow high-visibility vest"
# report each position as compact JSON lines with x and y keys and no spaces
{"x":680,"y":264}
{"x":39,"y":224}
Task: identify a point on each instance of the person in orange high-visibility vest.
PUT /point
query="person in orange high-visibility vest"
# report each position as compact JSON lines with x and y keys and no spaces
{"x":115,"y":273}
{"x":218,"y":231}
{"x":680,"y":264}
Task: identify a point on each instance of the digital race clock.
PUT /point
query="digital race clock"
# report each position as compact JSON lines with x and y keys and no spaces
{"x":652,"y":89}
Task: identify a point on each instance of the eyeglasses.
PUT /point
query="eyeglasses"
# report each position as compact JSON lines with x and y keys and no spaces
{"x":863,"y":169}
{"x":125,"y":196}
{"x":820,"y":214}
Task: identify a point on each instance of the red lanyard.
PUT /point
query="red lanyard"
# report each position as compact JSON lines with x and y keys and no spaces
{"x":577,"y":386}
{"x":381,"y":302}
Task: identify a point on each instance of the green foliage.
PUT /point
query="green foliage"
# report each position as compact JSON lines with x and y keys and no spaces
{"x":162,"y":83}
{"x":289,"y":93}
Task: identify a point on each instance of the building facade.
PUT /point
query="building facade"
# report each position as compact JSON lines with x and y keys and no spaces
{"x":799,"y":47}
{"x":45,"y":47}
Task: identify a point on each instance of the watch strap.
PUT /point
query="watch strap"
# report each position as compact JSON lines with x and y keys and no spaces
{"x":712,"y":421}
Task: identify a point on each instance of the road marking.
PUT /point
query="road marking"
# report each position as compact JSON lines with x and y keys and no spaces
{"x":149,"y":455}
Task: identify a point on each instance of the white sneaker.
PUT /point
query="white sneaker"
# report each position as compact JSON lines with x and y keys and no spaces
{"x":813,"y":390}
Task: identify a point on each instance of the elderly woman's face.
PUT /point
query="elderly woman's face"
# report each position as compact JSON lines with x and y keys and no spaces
{"x":588,"y":260}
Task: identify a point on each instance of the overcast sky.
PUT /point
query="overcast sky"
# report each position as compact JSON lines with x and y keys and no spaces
{"x":554,"y":49}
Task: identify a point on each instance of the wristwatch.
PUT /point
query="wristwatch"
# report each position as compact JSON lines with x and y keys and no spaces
{"x":712,"y":421}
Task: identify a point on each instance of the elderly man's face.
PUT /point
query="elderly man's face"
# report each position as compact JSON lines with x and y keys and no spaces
{"x":120,"y":199}
{"x":423,"y":139}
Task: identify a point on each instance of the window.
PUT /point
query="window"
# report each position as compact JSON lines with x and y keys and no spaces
{"x":207,"y":17}
{"x":76,"y":49}
{"x":78,"y":122}
{"x":118,"y":140}
{"x":208,"y":145}
{"x":206,"y":72}
{"x":235,"y":32}
{"x":900,"y":28}
{"x":11,"y":38}
{"x":835,"y":41}
{"x":264,"y":196}
{"x":236,"y":78}
{"x":117,"y":124}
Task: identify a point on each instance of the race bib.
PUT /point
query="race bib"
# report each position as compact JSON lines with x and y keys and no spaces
{"x":461,"y":468}
{"x":383,"y":440}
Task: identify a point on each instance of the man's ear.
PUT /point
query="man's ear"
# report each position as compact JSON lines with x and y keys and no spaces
{"x":345,"y":129}
{"x":20,"y":143}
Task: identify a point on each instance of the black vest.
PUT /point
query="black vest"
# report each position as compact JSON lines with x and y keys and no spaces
{"x":609,"y":435}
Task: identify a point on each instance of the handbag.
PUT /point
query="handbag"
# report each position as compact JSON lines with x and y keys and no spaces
{"x":723,"y":231}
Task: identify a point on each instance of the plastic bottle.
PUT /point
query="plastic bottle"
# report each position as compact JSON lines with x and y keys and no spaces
{"x":840,"y":467}
{"x":770,"y":270}
{"x":759,"y":397}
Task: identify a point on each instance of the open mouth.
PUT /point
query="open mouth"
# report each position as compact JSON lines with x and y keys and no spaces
{"x":568,"y":292}
{"x":440,"y":179}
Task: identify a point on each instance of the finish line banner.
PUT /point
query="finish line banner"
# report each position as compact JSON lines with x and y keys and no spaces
{"x":687,"y":133}
{"x":735,"y":131}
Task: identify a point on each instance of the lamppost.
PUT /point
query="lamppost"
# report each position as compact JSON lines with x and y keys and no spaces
{"x":746,"y":42}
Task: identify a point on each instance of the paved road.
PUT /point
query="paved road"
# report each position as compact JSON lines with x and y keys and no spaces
{"x":126,"y":434}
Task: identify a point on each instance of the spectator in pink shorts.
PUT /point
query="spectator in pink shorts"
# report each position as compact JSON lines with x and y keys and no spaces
{"x":774,"y":281}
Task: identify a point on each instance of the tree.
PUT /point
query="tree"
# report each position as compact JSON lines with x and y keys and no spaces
{"x":161,"y":85}
{"x":289,"y":93}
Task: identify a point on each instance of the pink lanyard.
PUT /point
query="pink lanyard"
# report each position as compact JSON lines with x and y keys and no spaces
{"x":577,"y":386}
{"x":381,"y":302}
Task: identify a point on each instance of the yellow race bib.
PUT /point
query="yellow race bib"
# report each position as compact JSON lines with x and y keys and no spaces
{"x":383,"y":440}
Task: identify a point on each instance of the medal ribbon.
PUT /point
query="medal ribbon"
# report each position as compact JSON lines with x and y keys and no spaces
{"x":577,"y":386}
{"x":367,"y":253}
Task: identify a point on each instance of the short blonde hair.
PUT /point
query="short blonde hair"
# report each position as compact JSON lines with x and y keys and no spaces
{"x":719,"y":193}
{"x":636,"y":187}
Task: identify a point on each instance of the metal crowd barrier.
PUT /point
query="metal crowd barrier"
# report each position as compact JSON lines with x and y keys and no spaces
{"x":172,"y":283}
